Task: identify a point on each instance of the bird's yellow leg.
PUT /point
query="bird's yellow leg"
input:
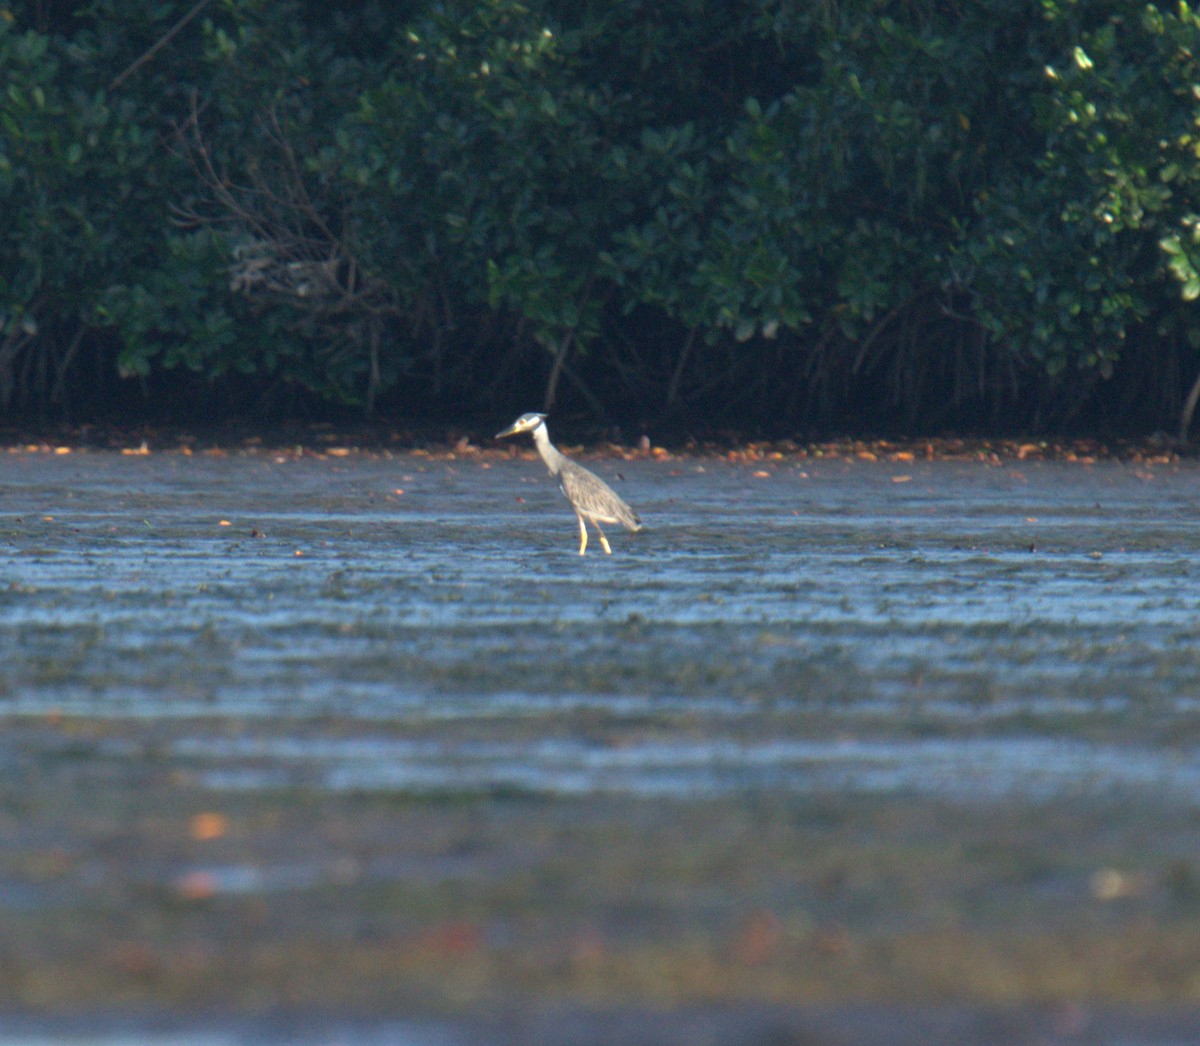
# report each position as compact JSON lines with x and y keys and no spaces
{"x":603,"y":539}
{"x":582,"y":536}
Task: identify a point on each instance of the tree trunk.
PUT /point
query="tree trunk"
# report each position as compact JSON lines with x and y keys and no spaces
{"x":1189,"y":408}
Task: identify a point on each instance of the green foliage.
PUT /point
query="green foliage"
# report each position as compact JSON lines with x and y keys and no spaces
{"x":1093,"y":234}
{"x":74,"y":191}
{"x":909,"y":211}
{"x":177,"y":315}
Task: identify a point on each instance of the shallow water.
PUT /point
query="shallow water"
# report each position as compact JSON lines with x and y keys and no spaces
{"x":442,"y":608}
{"x":257,"y":625}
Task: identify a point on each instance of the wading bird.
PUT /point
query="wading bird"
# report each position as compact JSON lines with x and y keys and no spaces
{"x":590,"y":497}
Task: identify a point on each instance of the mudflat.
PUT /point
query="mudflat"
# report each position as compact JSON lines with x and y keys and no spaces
{"x":835,"y":745}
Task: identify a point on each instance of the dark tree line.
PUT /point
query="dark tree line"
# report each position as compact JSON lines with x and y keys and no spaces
{"x":780,"y":217}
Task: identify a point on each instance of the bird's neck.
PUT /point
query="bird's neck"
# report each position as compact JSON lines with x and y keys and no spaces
{"x":546,"y":449}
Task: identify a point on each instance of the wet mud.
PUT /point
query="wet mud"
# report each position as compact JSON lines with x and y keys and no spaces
{"x":833,"y":743}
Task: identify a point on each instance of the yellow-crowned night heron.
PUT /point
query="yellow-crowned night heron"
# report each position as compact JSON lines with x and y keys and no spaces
{"x":590,"y":497}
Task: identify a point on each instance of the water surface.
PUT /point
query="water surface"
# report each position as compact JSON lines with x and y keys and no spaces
{"x":425,"y":710}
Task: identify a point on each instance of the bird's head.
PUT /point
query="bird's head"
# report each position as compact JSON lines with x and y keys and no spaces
{"x":525,"y":423}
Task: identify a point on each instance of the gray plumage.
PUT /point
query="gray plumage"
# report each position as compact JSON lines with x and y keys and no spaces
{"x":591,"y":498}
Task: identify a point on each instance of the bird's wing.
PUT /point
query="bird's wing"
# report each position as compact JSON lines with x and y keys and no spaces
{"x":590,"y":495}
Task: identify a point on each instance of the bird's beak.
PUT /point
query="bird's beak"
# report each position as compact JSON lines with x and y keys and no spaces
{"x":506,"y":432}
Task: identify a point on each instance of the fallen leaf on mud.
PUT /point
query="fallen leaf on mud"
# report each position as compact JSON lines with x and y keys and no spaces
{"x":208,"y":826}
{"x":758,"y":939}
{"x":196,"y":885}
